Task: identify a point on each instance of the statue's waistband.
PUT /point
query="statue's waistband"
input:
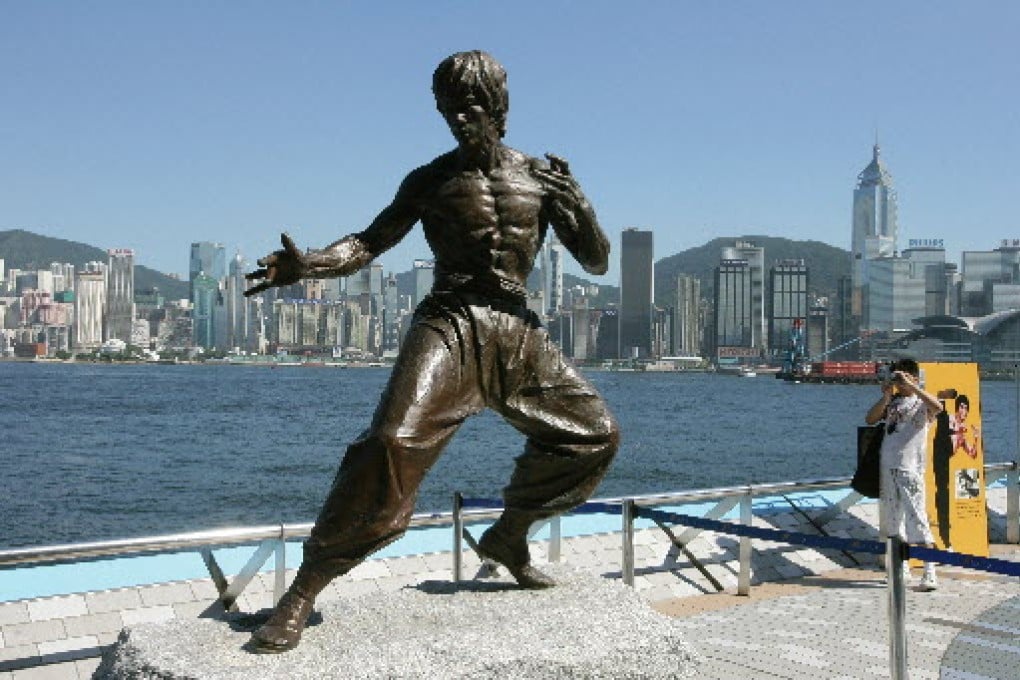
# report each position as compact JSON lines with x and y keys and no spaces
{"x":488,"y":285}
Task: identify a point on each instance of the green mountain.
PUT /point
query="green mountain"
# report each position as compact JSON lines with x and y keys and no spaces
{"x":24,"y":250}
{"x":826,"y":264}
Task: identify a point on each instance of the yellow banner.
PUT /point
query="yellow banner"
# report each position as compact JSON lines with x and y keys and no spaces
{"x":955,"y":478}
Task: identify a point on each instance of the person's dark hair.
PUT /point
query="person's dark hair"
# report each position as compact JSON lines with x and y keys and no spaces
{"x":478,"y":75}
{"x":907,"y":366}
{"x":962,"y":399}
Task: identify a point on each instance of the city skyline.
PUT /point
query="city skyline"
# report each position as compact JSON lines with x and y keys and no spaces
{"x":148,"y":126}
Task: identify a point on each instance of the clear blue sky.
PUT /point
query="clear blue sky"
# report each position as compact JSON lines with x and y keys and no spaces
{"x":151,"y":125}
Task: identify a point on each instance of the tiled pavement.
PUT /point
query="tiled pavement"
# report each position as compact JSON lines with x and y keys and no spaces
{"x":832,"y":628}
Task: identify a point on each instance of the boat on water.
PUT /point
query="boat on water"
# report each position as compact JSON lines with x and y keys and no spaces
{"x":747,"y":372}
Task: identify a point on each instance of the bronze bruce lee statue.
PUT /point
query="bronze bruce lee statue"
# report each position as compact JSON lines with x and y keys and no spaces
{"x":473,"y":343}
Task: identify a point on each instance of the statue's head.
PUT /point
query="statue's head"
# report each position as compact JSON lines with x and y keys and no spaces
{"x":472,"y":78}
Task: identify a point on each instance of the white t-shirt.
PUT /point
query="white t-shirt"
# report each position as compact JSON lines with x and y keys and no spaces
{"x":906,"y":434}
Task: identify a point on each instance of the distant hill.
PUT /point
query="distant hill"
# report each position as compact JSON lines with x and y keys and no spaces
{"x":24,"y":250}
{"x":825,"y":263}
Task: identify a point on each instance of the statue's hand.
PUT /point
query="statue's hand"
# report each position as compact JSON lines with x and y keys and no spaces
{"x":563,"y":191}
{"x":280,"y":268}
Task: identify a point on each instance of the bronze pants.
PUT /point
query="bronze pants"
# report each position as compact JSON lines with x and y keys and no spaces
{"x":464,"y":353}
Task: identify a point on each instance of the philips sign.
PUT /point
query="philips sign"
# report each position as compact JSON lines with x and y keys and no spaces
{"x":926,"y":243}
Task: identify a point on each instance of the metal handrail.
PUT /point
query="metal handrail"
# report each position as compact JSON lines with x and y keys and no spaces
{"x":238,"y":536}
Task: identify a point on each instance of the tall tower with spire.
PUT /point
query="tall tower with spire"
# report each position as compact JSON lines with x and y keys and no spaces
{"x":874,"y":228}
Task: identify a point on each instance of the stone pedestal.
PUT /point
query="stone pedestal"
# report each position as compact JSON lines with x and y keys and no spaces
{"x":587,"y":627}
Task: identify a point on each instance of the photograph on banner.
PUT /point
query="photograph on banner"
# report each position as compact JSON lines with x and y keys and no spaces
{"x":955,"y":477}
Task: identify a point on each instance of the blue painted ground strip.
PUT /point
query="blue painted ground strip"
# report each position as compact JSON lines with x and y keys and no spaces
{"x":592,"y":518}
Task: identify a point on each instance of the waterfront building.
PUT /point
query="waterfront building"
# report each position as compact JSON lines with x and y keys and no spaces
{"x":686,"y":317}
{"x":788,"y":303}
{"x":988,"y":275}
{"x":733,"y":334}
{"x":238,"y":310}
{"x":120,"y":294}
{"x":205,"y":297}
{"x":816,"y":333}
{"x":3,"y":275}
{"x":895,"y":295}
{"x":755,"y":258}
{"x":391,"y":315}
{"x":209,"y":259}
{"x":874,"y":233}
{"x":637,"y":290}
{"x":176,"y":327}
{"x":424,"y":275}
{"x":557,"y":259}
{"x":928,"y":262}
{"x":89,"y":309}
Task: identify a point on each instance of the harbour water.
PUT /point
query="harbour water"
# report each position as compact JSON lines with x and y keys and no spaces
{"x":94,"y":452}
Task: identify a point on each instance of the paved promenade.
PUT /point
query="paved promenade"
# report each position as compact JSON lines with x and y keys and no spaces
{"x":812,"y":614}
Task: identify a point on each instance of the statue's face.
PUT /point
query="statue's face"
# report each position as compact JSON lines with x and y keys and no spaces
{"x":471,"y":125}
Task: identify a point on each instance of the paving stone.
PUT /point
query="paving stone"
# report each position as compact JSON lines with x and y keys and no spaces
{"x":19,"y":634}
{"x":113,"y":600}
{"x":92,"y":624}
{"x":167,"y":593}
{"x":56,"y":607}
{"x":13,"y":612}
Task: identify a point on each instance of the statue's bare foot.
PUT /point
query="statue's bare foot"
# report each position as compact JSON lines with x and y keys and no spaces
{"x":282,"y":632}
{"x":514,"y":555}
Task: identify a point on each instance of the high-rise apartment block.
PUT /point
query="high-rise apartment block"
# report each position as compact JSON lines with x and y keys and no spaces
{"x":686,"y":332}
{"x":120,"y":294}
{"x":637,"y":290}
{"x":89,"y":308}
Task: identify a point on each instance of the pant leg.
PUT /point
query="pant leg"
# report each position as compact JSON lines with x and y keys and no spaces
{"x":431,"y":391}
{"x":910,"y":519}
{"x":571,"y":435}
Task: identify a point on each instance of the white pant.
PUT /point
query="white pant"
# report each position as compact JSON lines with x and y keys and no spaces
{"x":904,"y":515}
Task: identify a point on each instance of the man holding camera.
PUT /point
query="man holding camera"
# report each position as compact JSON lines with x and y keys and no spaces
{"x":907,"y":411}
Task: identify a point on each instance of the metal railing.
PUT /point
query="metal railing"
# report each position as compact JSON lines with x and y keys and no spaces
{"x":271,"y":539}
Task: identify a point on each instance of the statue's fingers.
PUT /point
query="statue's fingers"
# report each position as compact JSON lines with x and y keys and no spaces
{"x":288,"y":244}
{"x":268,"y":260}
{"x":257,"y":274}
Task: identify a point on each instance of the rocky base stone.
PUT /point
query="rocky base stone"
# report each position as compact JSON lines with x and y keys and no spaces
{"x":586,"y":627}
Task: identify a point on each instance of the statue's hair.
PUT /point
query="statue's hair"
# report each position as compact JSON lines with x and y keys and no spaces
{"x":478,"y":75}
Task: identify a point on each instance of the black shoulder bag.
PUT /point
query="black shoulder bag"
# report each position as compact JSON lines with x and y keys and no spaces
{"x":869,"y":447}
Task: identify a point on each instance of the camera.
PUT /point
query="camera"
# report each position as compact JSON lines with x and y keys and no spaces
{"x":884,"y":373}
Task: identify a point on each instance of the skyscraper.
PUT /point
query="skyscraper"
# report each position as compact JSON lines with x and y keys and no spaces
{"x":424,"y":274}
{"x":874,"y":230}
{"x":788,"y":302}
{"x":636,"y":293}
{"x":557,"y":258}
{"x":755,"y":258}
{"x":120,"y":294}
{"x":734,"y":319}
{"x":207,"y":258}
{"x":205,"y":297}
{"x":89,"y":307}
{"x":686,"y":333}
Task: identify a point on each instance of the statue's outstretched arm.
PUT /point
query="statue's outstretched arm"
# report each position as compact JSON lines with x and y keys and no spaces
{"x":341,"y":258}
{"x":572,"y":217}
